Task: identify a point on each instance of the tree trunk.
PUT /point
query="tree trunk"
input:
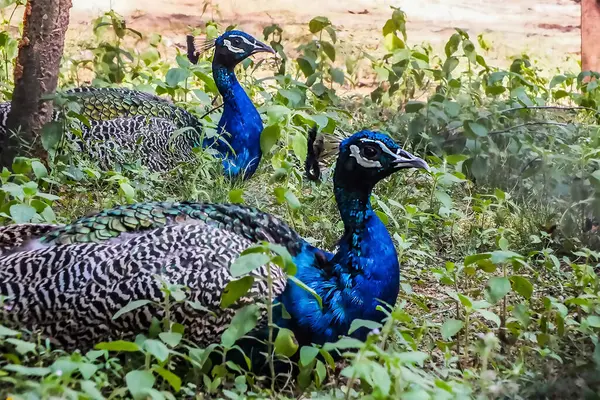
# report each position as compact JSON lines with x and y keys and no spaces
{"x":590,"y":35}
{"x":36,"y":75}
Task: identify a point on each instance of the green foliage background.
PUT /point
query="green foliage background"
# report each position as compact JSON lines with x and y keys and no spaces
{"x":495,"y":302}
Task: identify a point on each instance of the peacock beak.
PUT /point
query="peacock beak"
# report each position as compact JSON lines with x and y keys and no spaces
{"x":406,"y":160}
{"x":260,"y":47}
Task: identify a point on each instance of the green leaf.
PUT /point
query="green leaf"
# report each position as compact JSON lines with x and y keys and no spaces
{"x":127,"y":190}
{"x":452,"y":44}
{"x":522,"y":286}
{"x":51,"y":135}
{"x":248,"y":263}
{"x":170,"y":377}
{"x":363,"y":323}
{"x":4,"y":331}
{"x":392,"y":42}
{"x":132,"y":305}
{"x":292,"y":200}
{"x":317,"y":24}
{"x":490,"y":316}
{"x":22,"y":346}
{"x":451,"y":327}
{"x":22,"y":213}
{"x":476,"y":129}
{"x":337,"y":75}
{"x":450,"y":65}
{"x":244,"y":321}
{"x":118,"y":345}
{"x":328,"y":49}
{"x":286,"y":343}
{"x":413,"y":106}
{"x":139,"y":383}
{"x":236,"y":289}
{"x":269,"y":137}
{"x":91,"y":390}
{"x":593,"y":321}
{"x":308,"y":354}
{"x":476,"y":257}
{"x":235,"y":196}
{"x":343,"y":344}
{"x":300,"y":147}
{"x":29,"y":371}
{"x":157,"y":349}
{"x":175,"y":76}
{"x":497,"y":288}
{"x":39,"y":169}
{"x":170,"y":338}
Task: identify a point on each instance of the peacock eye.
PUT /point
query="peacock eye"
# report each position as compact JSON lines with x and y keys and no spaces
{"x":370,"y":151}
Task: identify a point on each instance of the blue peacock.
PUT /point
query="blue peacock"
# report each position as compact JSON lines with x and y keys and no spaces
{"x":69,"y":281}
{"x":128,"y":124}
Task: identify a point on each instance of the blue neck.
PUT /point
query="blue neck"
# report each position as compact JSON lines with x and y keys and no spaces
{"x":363,"y":272}
{"x":240,"y":126}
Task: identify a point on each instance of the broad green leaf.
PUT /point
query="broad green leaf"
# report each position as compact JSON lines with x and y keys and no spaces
{"x":236,"y":289}
{"x":286,"y":343}
{"x":413,"y":106}
{"x":170,"y":377}
{"x":51,"y":135}
{"x":118,"y":345}
{"x":490,"y":316}
{"x":452,"y":44}
{"x":450,"y":65}
{"x":317,"y":24}
{"x":22,"y":213}
{"x":39,"y":169}
{"x":292,"y":200}
{"x":4,"y":331}
{"x":269,"y":137}
{"x":28,"y":371}
{"x":337,"y":75}
{"x":477,"y":129}
{"x":343,"y":344}
{"x":476,"y":257}
{"x":363,"y":323}
{"x":308,"y":354}
{"x":244,"y":321}
{"x":593,"y":321}
{"x":22,"y":346}
{"x":497,"y":288}
{"x":451,"y":327}
{"x":235,"y":196}
{"x":328,"y":49}
{"x":522,"y":286}
{"x":247,"y":263}
{"x":175,"y":76}
{"x":139,"y":383}
{"x":170,"y":338}
{"x":300,"y":147}
{"x":158,"y":349}
{"x":91,"y":390}
{"x":132,"y":305}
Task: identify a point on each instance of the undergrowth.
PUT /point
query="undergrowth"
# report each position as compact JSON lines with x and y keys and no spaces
{"x":498,"y":244}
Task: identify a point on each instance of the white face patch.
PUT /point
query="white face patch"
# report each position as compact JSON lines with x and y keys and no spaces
{"x":245,"y":40}
{"x":364,"y":162}
{"x":231,"y":48}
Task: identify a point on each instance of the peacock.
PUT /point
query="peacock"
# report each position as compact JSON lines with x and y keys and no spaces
{"x":67,"y":282}
{"x":126,"y":124}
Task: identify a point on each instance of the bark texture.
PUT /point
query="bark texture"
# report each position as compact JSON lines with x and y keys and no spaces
{"x":590,"y":35}
{"x":36,"y":75}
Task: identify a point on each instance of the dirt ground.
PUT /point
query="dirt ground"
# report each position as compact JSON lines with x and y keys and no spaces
{"x":548,"y":29}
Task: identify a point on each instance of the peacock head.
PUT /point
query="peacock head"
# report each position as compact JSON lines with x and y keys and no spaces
{"x":233,"y":47}
{"x":367,"y":157}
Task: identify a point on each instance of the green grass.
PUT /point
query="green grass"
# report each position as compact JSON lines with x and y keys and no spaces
{"x":494,"y":303}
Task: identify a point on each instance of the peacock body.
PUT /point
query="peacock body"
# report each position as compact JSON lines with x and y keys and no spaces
{"x":128,"y":123}
{"x":68,"y":281}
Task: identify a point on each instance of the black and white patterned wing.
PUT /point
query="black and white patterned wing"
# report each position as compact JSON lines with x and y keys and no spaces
{"x":71,"y":292}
